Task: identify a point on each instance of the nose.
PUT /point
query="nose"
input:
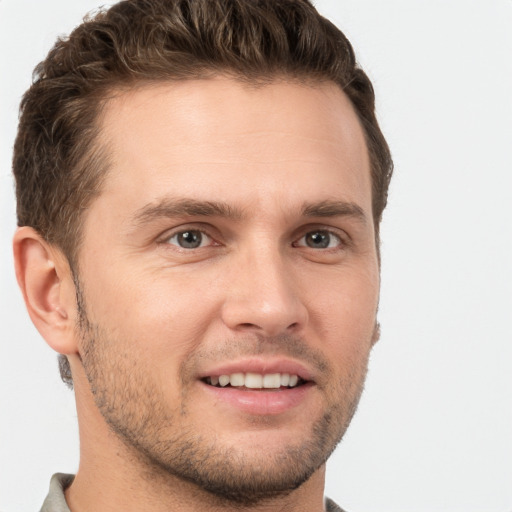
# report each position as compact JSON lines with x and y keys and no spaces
{"x":262,"y":296}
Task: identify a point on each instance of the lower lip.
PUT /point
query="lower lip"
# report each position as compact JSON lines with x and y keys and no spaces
{"x":264,"y":402}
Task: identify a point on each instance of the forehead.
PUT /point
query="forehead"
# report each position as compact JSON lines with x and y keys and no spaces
{"x":220,"y":137}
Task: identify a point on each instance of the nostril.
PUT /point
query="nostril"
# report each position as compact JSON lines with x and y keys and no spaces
{"x":248,"y":326}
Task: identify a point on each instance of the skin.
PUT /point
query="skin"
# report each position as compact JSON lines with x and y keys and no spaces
{"x":156,"y":317}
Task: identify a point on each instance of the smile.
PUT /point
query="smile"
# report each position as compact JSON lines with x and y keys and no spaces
{"x":251,"y":380}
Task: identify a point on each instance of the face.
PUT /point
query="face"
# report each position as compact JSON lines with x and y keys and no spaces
{"x":229,"y":280}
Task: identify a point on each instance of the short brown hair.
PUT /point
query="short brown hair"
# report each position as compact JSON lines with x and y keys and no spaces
{"x":58,"y":163}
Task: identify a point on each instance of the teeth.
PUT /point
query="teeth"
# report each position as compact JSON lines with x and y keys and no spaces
{"x":237,"y":379}
{"x":224,"y":380}
{"x":273,"y":380}
{"x":255,"y":380}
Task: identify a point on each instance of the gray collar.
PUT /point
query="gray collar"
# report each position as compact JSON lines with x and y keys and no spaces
{"x":56,"y":501}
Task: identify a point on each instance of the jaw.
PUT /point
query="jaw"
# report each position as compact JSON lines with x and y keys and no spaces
{"x":228,"y":454}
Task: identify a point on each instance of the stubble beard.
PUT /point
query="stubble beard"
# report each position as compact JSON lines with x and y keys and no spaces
{"x":166,"y":448}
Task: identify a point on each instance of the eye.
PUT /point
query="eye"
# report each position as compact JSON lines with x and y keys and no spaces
{"x":190,"y":239}
{"x":319,"y":239}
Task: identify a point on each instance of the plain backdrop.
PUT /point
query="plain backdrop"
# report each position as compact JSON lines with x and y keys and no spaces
{"x":434,"y":427}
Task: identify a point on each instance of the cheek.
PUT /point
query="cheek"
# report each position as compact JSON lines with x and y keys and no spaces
{"x":160,"y":317}
{"x":347,"y":298}
{"x":344,"y":315}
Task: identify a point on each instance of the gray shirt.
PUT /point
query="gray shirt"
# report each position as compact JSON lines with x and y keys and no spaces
{"x":56,"y":502}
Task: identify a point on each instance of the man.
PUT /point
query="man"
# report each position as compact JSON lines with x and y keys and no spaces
{"x":200,"y":186}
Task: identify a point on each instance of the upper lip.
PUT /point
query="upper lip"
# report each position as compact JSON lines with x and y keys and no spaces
{"x":259,"y":365}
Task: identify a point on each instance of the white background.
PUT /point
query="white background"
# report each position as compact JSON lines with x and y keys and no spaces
{"x":434,"y":428}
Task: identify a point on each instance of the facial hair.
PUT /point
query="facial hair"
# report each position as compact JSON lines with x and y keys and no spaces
{"x":164,"y":443}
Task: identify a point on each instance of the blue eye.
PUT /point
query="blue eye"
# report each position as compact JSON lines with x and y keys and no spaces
{"x":190,"y":239}
{"x":320,"y":239}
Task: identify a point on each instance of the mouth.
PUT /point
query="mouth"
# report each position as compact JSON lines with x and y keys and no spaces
{"x":259,"y":387}
{"x":255,"y":381}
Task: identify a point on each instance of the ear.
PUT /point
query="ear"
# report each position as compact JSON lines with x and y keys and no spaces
{"x":46,"y":281}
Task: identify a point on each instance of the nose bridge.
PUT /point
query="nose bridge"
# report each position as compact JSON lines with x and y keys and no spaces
{"x":262,"y":294}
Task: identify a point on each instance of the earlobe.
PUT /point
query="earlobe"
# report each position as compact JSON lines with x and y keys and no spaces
{"x":376,"y":333}
{"x":46,"y":282}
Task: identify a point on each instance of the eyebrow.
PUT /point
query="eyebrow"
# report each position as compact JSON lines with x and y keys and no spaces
{"x":170,"y":207}
{"x":334,"y":209}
